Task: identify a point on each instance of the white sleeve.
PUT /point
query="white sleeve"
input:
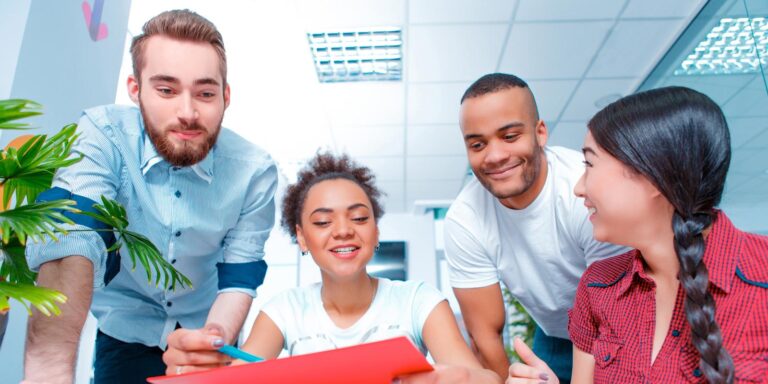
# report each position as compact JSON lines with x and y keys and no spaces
{"x":279,"y":309}
{"x":425,"y":299}
{"x":469,"y":264}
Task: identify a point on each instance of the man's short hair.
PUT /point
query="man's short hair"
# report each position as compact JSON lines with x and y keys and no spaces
{"x":495,"y":82}
{"x":180,"y":24}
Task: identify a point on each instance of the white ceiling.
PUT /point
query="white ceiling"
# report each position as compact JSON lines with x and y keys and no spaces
{"x":575,"y":55}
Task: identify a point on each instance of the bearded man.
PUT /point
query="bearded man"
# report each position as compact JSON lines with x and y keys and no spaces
{"x":201,"y":193}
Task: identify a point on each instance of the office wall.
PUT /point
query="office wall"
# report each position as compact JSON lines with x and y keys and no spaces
{"x":49,"y":57}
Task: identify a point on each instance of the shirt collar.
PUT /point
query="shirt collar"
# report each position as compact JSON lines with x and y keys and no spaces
{"x":721,"y":255}
{"x":150,"y":158}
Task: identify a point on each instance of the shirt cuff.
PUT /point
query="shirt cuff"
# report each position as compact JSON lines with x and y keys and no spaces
{"x":87,"y":244}
{"x":249,"y":292}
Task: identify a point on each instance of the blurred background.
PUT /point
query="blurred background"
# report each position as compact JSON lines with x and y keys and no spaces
{"x":381,"y":80}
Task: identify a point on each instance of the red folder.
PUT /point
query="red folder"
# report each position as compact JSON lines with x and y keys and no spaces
{"x":375,"y":363}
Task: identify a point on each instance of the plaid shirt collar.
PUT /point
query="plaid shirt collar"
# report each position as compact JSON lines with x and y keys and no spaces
{"x":721,"y":256}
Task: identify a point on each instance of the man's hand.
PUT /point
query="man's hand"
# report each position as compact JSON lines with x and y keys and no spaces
{"x":191,"y":350}
{"x":532,"y":370}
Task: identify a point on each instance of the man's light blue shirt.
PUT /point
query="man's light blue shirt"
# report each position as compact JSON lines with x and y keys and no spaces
{"x":209,"y":220}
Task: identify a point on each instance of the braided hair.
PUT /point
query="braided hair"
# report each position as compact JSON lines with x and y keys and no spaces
{"x":679,"y":140}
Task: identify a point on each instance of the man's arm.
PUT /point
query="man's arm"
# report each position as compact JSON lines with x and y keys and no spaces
{"x":52,"y":341}
{"x":485,"y":316}
{"x":229,"y":311}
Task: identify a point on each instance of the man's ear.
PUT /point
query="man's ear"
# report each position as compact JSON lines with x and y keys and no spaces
{"x":542,"y":133}
{"x":133,"y":88}
{"x":226,"y":96}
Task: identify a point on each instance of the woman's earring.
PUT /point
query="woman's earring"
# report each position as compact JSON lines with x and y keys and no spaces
{"x":304,"y":253}
{"x":376,"y":249}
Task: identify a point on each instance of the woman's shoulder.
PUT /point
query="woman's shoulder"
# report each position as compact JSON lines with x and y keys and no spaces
{"x":607,"y":272}
{"x":753,"y":260}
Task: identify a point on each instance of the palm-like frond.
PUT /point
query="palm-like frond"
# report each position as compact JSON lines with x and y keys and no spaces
{"x":15,"y":109}
{"x":44,"y":299}
{"x":29,"y":170}
{"x":110,"y":212}
{"x":34,"y":220}
{"x":13,"y":263}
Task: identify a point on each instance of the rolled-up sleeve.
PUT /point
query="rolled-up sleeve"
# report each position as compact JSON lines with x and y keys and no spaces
{"x":582,"y":324}
{"x":97,"y":174}
{"x":243,"y":268}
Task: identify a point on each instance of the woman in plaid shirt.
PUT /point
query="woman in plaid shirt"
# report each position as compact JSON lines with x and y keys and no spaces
{"x":690,"y":302}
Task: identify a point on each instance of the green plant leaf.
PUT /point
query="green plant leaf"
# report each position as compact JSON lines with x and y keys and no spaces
{"x":16,"y":109}
{"x":140,"y":248}
{"x":34,"y":220}
{"x":44,"y":299}
{"x":13,"y":263}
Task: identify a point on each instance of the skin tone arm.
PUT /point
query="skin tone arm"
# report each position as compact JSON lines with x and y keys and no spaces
{"x":52,"y":341}
{"x":455,"y":361}
{"x":583,"y":367}
{"x":485,"y":316}
{"x":192,"y":350}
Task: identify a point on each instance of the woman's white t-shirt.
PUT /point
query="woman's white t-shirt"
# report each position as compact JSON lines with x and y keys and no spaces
{"x":399,"y":308}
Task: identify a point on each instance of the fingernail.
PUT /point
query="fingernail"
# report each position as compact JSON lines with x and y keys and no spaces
{"x":218,"y":343}
{"x":544,"y":376}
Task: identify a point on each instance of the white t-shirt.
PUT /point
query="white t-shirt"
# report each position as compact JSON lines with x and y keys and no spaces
{"x":399,"y":308}
{"x":539,"y":252}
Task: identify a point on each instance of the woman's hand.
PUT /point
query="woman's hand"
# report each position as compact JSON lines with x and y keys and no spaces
{"x":532,"y":370}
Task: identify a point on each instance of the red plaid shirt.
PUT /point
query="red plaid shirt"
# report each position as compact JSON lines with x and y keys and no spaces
{"x":614,"y":314}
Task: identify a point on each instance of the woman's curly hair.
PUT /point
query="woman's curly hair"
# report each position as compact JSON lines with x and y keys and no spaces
{"x":327,"y":166}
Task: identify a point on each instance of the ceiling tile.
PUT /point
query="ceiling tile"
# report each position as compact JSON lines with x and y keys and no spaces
{"x":552,"y":50}
{"x":363,"y":103}
{"x":434,"y":103}
{"x":750,"y":101}
{"x":634,"y":47}
{"x":551,"y":96}
{"x":335,"y":14}
{"x":453,"y":52}
{"x":435,"y":167}
{"x":749,"y":161}
{"x":568,"y":134}
{"x":385,"y":168}
{"x":459,"y":11}
{"x":720,"y":88}
{"x":745,"y":129}
{"x":431,"y":140}
{"x":567,"y":10}
{"x":382,"y":140}
{"x":594,"y":94}
{"x":662,"y":8}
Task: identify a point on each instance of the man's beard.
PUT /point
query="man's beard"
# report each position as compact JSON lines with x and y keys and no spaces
{"x":187,"y":153}
{"x":530,"y":173}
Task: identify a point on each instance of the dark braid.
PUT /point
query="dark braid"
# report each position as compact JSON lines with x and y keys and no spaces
{"x":678,"y":139}
{"x":715,"y":362}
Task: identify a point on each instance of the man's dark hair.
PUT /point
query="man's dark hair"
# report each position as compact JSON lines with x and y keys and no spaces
{"x":495,"y":82}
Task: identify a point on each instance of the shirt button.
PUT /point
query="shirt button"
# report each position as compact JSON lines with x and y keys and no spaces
{"x":176,"y":168}
{"x":178,"y":194}
{"x":168,"y":304}
{"x":178,"y":233}
{"x":697,"y":372}
{"x":607,"y":357}
{"x":675,"y":333}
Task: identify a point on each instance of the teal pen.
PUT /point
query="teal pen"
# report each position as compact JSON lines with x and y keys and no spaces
{"x":239,"y":354}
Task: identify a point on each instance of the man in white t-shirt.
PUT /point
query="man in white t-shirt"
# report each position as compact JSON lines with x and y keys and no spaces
{"x":519,"y":222}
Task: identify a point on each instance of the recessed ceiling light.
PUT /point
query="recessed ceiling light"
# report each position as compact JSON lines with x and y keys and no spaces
{"x":734,"y":46}
{"x":373,"y":54}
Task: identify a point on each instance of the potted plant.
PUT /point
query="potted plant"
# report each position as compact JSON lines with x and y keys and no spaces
{"x":27,"y":171}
